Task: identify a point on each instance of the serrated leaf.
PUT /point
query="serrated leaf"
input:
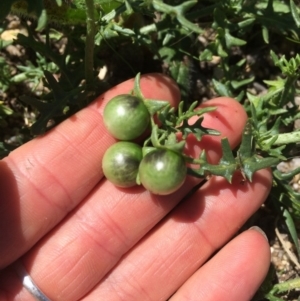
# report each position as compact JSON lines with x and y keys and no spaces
{"x":227,"y":160}
{"x":227,"y":157}
{"x":250,"y":165}
{"x":247,"y":159}
{"x":178,"y":12}
{"x":165,"y":141}
{"x":196,"y":129}
{"x":226,"y":167}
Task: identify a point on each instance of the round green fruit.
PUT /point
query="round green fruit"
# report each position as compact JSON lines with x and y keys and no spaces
{"x":162,"y":171}
{"x":126,"y":117}
{"x":120,"y":163}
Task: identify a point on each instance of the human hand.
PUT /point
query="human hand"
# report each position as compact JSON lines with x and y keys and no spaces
{"x":81,"y":238}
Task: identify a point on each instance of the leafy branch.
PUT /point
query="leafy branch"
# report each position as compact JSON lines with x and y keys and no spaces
{"x":172,"y":122}
{"x":246,"y":160}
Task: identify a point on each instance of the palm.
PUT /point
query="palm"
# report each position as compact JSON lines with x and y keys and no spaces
{"x":83,"y":239}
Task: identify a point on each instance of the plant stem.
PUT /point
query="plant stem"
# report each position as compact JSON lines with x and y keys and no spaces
{"x":89,"y":44}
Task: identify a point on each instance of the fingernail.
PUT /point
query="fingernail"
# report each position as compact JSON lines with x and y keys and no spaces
{"x":260,"y":231}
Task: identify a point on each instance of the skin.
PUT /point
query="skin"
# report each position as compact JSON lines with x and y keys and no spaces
{"x":81,"y":238}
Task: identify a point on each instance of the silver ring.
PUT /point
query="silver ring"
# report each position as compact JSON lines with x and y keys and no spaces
{"x":29,"y":284}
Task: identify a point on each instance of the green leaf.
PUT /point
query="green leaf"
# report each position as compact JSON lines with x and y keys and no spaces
{"x":5,"y":110}
{"x":220,"y":50}
{"x":224,"y":170}
{"x":246,"y":23}
{"x":179,"y":13}
{"x":295,"y":13}
{"x":221,"y":89}
{"x":166,"y":141}
{"x":250,"y":165}
{"x":196,"y":129}
{"x":206,"y":55}
{"x":248,"y":161}
{"x":233,"y":41}
{"x":167,"y":54}
{"x":265,"y":34}
{"x":155,"y":105}
{"x":226,"y":167}
{"x":227,"y":160}
{"x":292,"y":229}
{"x":278,"y":84}
{"x":42,"y":20}
{"x":246,"y":149}
{"x":274,"y":57}
{"x":180,"y":72}
{"x":171,"y":143}
{"x":237,"y":84}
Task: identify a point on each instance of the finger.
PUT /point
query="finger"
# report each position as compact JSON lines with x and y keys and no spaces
{"x":177,"y":247}
{"x":74,"y":257}
{"x":233,"y":274}
{"x":46,"y":178}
